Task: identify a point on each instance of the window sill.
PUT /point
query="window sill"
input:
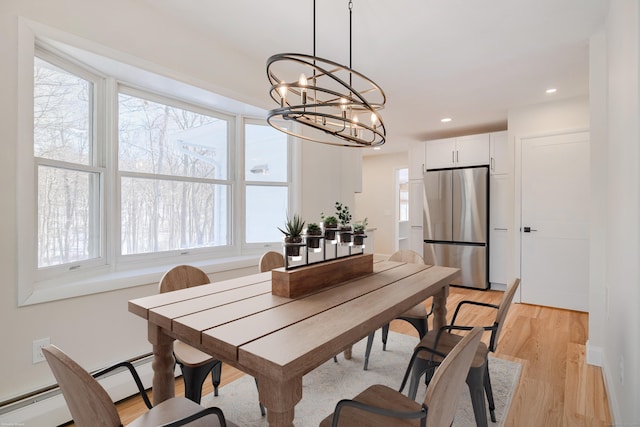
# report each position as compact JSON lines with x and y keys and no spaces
{"x":67,"y":287}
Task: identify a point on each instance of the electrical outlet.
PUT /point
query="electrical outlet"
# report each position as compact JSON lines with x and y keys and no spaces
{"x":38,"y":356}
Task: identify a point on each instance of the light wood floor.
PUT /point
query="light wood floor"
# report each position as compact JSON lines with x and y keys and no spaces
{"x":557,"y":387}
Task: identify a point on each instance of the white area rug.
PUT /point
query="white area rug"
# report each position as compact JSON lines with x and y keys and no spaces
{"x":326,"y":385}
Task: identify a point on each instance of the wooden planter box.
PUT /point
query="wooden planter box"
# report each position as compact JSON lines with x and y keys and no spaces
{"x":310,"y":278}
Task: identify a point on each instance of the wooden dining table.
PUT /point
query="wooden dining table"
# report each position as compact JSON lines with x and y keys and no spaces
{"x":276,"y":339}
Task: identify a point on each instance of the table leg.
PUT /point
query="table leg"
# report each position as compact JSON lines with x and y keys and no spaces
{"x":440,"y":308}
{"x":347,"y":353}
{"x":163,"y":364}
{"x":280,"y":398}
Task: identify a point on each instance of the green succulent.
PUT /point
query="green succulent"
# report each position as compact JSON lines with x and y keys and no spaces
{"x":293,"y":227}
{"x":329,"y":221}
{"x":359,"y":227}
{"x":313,"y":228}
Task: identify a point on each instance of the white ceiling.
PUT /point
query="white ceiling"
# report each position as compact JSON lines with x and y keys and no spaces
{"x":471,"y":60}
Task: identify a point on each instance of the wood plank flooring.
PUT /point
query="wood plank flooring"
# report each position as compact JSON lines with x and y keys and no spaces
{"x":557,"y":387}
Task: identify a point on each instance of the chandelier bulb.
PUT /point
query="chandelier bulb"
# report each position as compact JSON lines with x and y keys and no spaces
{"x":283,"y":93}
{"x":302,"y":81}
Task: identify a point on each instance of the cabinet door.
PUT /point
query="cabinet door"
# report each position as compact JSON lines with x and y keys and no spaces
{"x":472,"y":150}
{"x":499,"y":205}
{"x":415,"y":202}
{"x":440,"y":153}
{"x":498,"y":256}
{"x":416,"y":160}
{"x":499,"y":202}
{"x":499,"y":156}
{"x":415,"y":238}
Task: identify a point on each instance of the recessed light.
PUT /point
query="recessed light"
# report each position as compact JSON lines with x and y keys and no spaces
{"x":377,"y":148}
{"x":446,"y":120}
{"x":551,"y":90}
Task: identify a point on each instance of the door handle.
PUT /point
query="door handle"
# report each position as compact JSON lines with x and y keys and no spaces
{"x":528,"y":229}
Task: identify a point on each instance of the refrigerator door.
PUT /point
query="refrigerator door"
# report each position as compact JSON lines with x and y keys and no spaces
{"x":470,"y":259}
{"x":470,"y":203}
{"x":437,"y":205}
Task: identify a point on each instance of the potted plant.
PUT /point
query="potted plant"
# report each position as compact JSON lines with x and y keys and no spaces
{"x":358,"y":232}
{"x":344,"y":216}
{"x":330,"y":224}
{"x":313,"y":235}
{"x":293,"y":235}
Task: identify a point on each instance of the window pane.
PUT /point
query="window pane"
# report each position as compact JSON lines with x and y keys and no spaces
{"x":68,"y":216}
{"x":265,"y":154}
{"x":266,"y":210}
{"x":160,"y":139}
{"x":160,"y":215}
{"x":61,"y":114}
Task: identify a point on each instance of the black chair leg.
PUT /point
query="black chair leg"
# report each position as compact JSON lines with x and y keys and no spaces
{"x":489,"y":392}
{"x":194,"y":378}
{"x":262,"y":411}
{"x":475,"y":381}
{"x":368,"y":350}
{"x":216,"y":373}
{"x":385,"y":335}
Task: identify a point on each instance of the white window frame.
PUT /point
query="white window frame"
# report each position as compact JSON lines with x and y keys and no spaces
{"x":291,"y":153}
{"x":114,"y":271}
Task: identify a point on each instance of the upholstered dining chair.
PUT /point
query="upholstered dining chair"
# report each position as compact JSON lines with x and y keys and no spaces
{"x":194,"y":364}
{"x":417,"y":316}
{"x":91,"y":406}
{"x":380,"y":405}
{"x":440,"y":342}
{"x":270,"y":260}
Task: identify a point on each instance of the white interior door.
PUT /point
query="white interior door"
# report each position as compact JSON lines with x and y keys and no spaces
{"x":555,"y":221}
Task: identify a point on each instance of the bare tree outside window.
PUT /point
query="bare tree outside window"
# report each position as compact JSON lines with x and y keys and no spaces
{"x":173,"y":166}
{"x":68,"y":214}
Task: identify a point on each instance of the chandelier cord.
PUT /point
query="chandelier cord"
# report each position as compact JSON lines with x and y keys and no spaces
{"x":350,"y":32}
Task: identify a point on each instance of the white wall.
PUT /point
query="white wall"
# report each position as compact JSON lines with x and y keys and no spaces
{"x":622,"y":283}
{"x":377,"y":200}
{"x":97,"y":329}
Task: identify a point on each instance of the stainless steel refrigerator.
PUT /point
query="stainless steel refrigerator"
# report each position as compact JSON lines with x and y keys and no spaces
{"x":456,"y":222}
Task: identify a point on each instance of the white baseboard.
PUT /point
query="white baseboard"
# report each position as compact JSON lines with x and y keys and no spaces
{"x":51,"y":409}
{"x":595,"y":355}
{"x":609,"y":379}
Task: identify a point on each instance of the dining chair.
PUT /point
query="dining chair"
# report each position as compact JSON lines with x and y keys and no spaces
{"x":379,"y":405}
{"x":440,"y":342}
{"x":91,"y":406}
{"x":417,"y":316}
{"x":270,"y":260}
{"x":194,"y":364}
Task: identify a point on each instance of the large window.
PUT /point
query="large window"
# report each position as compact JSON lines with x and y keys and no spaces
{"x":174,"y":184}
{"x":68,"y":176}
{"x":126,"y":178}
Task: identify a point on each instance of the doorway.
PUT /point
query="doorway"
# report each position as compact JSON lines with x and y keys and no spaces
{"x":554,"y":220}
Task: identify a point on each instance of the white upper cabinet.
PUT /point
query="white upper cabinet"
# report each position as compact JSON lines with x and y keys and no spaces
{"x":499,"y":153}
{"x":468,"y":150}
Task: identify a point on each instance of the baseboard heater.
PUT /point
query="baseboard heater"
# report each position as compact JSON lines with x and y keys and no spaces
{"x":48,"y":407}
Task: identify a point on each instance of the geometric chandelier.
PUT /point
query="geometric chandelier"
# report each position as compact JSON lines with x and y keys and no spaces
{"x":334,"y":103}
